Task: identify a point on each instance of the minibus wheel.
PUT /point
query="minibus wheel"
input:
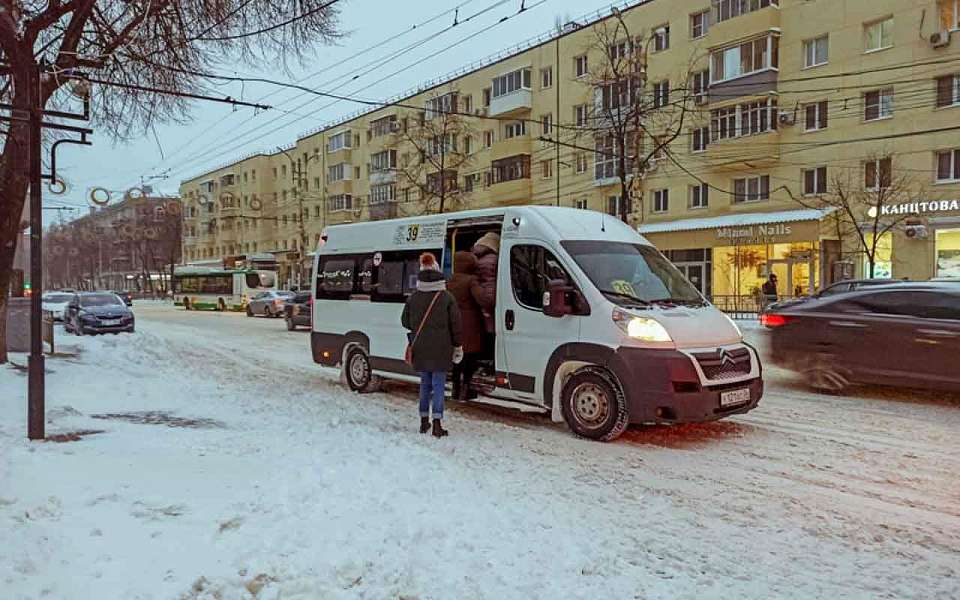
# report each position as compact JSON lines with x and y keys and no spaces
{"x":593,"y":405}
{"x":359,"y":373}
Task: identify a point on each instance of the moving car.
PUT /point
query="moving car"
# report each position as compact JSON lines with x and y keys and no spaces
{"x":903,"y":334}
{"x":56,"y":303}
{"x":594,"y":326}
{"x":840,"y":287}
{"x":297,"y":310}
{"x":125,"y":296}
{"x":98,"y":312}
{"x":268,"y":304}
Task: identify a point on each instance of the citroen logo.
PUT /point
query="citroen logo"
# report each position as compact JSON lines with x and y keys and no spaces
{"x":725,"y":359}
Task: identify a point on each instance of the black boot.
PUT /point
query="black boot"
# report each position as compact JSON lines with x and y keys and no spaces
{"x":424,"y":424}
{"x":438,"y":430}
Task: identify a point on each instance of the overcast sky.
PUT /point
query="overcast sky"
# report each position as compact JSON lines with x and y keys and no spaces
{"x":219,"y":133}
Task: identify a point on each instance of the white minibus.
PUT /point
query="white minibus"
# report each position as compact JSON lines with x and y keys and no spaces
{"x":594,"y":326}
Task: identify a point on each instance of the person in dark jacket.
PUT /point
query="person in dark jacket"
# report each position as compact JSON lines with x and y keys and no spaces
{"x":466,"y":290}
{"x":487,"y":251}
{"x":433,"y":311}
{"x":769,"y":290}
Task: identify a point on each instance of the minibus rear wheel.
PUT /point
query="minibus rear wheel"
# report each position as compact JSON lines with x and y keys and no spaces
{"x":593,"y":405}
{"x":359,"y":373}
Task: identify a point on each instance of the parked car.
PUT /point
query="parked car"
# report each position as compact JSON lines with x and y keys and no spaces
{"x":125,"y":296}
{"x":297,"y":310}
{"x":840,"y":287}
{"x":98,"y":312}
{"x":268,"y":304}
{"x":903,"y":334}
{"x":56,"y":303}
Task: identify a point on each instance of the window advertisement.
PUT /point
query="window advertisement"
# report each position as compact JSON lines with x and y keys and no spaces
{"x":948,"y":253}
{"x":883,"y":259}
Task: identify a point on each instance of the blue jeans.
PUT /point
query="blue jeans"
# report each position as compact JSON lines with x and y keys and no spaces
{"x":432,"y":385}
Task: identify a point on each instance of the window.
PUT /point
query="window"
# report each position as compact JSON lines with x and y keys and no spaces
{"x":531,"y":270}
{"x":383,"y":161}
{"x":699,"y":195}
{"x":511,"y":82}
{"x":468,"y":145}
{"x":581,"y":203}
{"x":948,"y":166}
{"x":583,"y":163}
{"x":878,"y":104}
{"x":546,"y":77}
{"x":580,"y":66}
{"x":947,"y":244}
{"x":948,"y":90}
{"x":877,"y":174}
{"x":699,"y":24}
{"x":384,"y":126}
{"x":487,"y":139}
{"x":815,"y":181}
{"x":340,"y":202}
{"x":729,"y":9}
{"x":467,"y":102}
{"x":619,"y":94}
{"x":661,"y":38}
{"x":618,"y":51}
{"x":470,"y":182}
{"x":486,"y":96}
{"x":316,"y":211}
{"x":546,"y":169}
{"x":340,"y":141}
{"x":442,"y":144}
{"x":700,"y":139}
{"x":750,"y":118}
{"x":699,"y":84}
{"x":511,"y":169}
{"x":661,"y":201}
{"x":605,"y":158}
{"x":614,"y":205}
{"x":815,"y":116}
{"x":335,"y":173}
{"x":380,"y":194}
{"x":816,"y":51}
{"x":580,"y":115}
{"x":949,"y":14}
{"x":515,"y":129}
{"x":751,"y":189}
{"x":661,"y":94}
{"x":878,"y":35}
{"x":745,"y":58}
{"x":546,"y":124}
{"x":444,"y":104}
{"x":336,"y":278}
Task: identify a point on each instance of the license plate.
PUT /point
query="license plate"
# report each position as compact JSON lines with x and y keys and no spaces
{"x":110,"y":322}
{"x":734,"y":397}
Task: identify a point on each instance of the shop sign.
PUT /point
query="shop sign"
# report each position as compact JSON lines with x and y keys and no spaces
{"x":753,"y":233}
{"x":915,"y":208}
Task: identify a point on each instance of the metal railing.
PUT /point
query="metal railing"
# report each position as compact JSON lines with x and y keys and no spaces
{"x":745,"y":306}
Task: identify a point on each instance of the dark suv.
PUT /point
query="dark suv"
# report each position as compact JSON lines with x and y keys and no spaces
{"x":297,"y":310}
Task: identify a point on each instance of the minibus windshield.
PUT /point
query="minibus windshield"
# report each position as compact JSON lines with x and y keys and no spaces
{"x":632,"y":273}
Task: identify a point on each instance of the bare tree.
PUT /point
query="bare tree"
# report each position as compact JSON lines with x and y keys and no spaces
{"x":142,"y":44}
{"x":433,"y":147}
{"x":863,"y":210}
{"x":632,"y":121}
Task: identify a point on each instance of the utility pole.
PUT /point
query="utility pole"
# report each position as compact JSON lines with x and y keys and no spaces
{"x":298,"y":197}
{"x":35,"y":365}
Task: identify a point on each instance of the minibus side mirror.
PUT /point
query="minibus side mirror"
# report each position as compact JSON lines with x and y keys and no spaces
{"x":556,"y":300}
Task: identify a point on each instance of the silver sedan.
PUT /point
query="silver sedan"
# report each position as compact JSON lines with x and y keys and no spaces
{"x":268,"y":304}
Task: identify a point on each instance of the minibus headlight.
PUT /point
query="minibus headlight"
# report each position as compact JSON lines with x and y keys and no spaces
{"x":641,"y":328}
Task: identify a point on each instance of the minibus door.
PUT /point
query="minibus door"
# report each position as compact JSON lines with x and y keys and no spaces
{"x":526,"y":336}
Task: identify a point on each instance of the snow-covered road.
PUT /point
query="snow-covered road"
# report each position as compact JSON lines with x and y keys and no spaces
{"x":227,"y":465}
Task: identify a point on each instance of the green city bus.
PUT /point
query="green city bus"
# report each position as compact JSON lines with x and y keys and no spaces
{"x":205,"y":288}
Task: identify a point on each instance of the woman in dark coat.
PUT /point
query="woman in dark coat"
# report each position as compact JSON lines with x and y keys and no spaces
{"x":466,"y":290}
{"x":433,"y":311}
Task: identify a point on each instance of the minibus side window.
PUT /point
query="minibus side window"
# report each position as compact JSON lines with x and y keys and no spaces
{"x":336,"y":278}
{"x":531,"y":268}
{"x":365,"y":282}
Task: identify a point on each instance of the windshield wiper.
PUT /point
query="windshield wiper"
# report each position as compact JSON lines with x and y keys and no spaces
{"x":629,"y":297}
{"x":679,"y":301}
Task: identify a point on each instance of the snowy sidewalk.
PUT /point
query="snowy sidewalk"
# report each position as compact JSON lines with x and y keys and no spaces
{"x":229,"y":466}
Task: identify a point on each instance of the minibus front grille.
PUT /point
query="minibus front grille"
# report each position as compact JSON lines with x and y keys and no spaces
{"x":724,"y":364}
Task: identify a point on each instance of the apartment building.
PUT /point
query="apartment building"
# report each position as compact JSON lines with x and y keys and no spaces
{"x":785,"y":103}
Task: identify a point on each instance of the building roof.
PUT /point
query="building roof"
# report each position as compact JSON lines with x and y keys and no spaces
{"x":741,"y":220}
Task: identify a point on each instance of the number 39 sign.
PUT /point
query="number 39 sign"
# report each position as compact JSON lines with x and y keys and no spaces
{"x":419,"y":234}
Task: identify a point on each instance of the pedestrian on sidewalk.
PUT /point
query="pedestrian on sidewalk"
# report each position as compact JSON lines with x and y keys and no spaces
{"x":468,"y":293}
{"x":433,"y":319}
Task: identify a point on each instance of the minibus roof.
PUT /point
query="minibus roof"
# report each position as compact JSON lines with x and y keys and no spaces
{"x":548,"y":223}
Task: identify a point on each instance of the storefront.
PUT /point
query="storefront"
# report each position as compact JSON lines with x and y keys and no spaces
{"x":923,"y":242}
{"x":729,"y":257}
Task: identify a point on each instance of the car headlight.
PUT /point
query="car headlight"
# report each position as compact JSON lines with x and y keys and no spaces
{"x":641,"y":328}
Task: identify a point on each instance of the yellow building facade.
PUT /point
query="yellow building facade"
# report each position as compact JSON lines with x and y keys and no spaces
{"x":786,"y":103}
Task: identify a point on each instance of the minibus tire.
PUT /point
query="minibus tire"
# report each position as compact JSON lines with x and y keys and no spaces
{"x":584,"y":394}
{"x":249,"y":311}
{"x":358,"y":371}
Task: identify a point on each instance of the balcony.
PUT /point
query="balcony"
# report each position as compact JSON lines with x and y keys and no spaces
{"x":747,"y":152}
{"x":383,"y":177}
{"x":511,"y":147}
{"x":743,"y":26}
{"x":384,"y":210}
{"x":227,"y":236}
{"x":510,"y":193}
{"x":512,"y":104}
